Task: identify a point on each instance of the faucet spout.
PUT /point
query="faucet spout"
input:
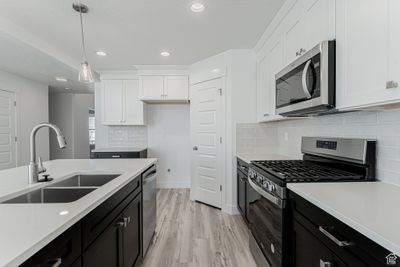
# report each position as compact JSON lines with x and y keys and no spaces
{"x":33,"y":166}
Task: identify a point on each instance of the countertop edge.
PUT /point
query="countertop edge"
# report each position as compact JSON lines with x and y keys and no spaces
{"x":376,"y":237}
{"x":65,"y":226}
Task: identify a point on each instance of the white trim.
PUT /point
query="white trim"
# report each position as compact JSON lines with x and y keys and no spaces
{"x":271,"y":28}
{"x":230,"y":209}
{"x":173,"y":184}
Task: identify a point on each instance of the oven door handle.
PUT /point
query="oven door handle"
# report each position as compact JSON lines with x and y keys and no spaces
{"x":304,"y":80}
{"x":278,"y":202}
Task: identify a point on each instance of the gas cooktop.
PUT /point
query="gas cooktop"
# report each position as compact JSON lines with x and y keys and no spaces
{"x":303,"y":171}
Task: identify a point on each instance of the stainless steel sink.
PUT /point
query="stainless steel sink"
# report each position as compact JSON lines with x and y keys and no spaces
{"x":51,"y":195}
{"x":67,"y":190}
{"x":85,"y":180}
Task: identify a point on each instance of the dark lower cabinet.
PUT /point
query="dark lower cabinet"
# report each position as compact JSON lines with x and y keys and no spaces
{"x":109,"y":236}
{"x":243,"y":188}
{"x":319,"y":239}
{"x":120,"y":243}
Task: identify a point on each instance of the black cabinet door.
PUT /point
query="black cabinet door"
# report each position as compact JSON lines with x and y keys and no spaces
{"x":106,"y":250}
{"x":242,"y":189}
{"x":132,"y":241}
{"x":309,"y":251}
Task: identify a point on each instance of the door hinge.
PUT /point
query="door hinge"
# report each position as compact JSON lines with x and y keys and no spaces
{"x":220,"y":91}
{"x":15,"y":103}
{"x":220,"y":188}
{"x":16,"y":139}
{"x":220,"y":140}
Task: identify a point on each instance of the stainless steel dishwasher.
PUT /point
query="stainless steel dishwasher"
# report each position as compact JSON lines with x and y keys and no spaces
{"x":149,"y":206}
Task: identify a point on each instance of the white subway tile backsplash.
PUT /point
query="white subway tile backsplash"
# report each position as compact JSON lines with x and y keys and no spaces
{"x":128,"y":136}
{"x":285,"y":136}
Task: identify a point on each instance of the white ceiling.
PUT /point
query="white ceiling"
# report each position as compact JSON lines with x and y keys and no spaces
{"x":21,"y":59}
{"x":133,"y":32}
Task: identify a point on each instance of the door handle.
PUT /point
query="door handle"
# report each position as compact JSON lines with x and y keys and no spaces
{"x":304,"y":80}
{"x":195,"y":148}
{"x":323,"y":263}
{"x":334,"y":239}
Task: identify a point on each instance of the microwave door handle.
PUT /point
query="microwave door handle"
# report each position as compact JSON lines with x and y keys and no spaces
{"x":304,"y":80}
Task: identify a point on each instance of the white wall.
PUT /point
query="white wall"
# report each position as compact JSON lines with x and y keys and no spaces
{"x":169,"y":141}
{"x":32,"y":108}
{"x":60,"y":113}
{"x":70,"y":113}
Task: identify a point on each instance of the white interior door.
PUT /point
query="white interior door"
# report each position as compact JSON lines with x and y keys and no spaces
{"x":7,"y":130}
{"x":207,"y":129}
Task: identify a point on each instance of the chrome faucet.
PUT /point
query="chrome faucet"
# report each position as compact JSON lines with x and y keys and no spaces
{"x":35,"y":168}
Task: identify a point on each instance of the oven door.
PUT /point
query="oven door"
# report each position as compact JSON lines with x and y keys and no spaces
{"x":308,"y":82}
{"x":266,"y":217}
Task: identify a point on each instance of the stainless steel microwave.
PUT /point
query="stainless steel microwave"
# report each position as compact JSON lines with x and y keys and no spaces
{"x":307,"y":86}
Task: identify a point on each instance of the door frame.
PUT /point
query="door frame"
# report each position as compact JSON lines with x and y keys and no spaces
{"x":222,"y":146}
{"x":16,"y":125}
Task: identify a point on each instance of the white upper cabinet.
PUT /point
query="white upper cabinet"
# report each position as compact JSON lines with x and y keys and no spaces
{"x":263,"y":98}
{"x":308,"y":23}
{"x":367,"y":53}
{"x":121,"y":104}
{"x":164,"y":88}
{"x":176,"y":87}
{"x":151,"y":87}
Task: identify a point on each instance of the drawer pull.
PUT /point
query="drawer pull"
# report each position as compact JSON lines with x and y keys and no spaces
{"x":334,"y":239}
{"x":54,"y":262}
{"x":325,"y":263}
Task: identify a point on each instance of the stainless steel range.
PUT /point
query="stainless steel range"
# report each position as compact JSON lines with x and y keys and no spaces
{"x":324,"y":160}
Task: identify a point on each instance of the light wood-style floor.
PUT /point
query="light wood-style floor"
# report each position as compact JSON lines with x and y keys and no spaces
{"x":193,"y":234}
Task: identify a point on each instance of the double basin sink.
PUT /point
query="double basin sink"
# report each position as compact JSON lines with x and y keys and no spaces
{"x":67,"y":190}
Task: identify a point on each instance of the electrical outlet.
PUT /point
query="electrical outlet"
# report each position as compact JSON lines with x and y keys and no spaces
{"x":286,"y":136}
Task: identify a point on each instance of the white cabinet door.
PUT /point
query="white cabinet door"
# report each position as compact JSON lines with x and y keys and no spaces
{"x":276,"y":65}
{"x":263,"y":101}
{"x":134,"y":108}
{"x":176,"y":88}
{"x":151,"y":87}
{"x":295,"y":40}
{"x":362,"y":52}
{"x":320,"y":22}
{"x":394,"y":45}
{"x":112,"y":100}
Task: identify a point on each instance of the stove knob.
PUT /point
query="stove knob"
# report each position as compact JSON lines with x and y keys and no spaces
{"x":271,"y":188}
{"x":265,"y":185}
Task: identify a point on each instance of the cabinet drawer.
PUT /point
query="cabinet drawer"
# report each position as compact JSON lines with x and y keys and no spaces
{"x":96,"y":221}
{"x":361,"y":252}
{"x":64,"y":250}
{"x":308,"y":250}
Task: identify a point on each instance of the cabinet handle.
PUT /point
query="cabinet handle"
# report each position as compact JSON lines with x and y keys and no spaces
{"x":391,"y":84}
{"x":266,"y":114}
{"x":120,"y":224}
{"x":325,"y":263}
{"x":335,"y":239}
{"x":55,"y":262}
{"x":116,"y":156}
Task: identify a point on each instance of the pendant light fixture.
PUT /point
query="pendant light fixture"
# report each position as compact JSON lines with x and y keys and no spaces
{"x":85,"y":72}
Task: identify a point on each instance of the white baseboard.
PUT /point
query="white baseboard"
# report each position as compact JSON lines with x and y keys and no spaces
{"x":173,"y":184}
{"x":231,"y":210}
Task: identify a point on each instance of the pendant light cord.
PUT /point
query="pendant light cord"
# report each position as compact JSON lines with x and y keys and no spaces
{"x":83,"y":36}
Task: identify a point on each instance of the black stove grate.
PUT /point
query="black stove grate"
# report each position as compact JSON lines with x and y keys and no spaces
{"x":299,"y":170}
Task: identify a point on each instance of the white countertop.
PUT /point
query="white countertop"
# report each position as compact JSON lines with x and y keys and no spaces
{"x":371,"y":208}
{"x":26,"y":228}
{"x":119,"y":149}
{"x":247,"y":157}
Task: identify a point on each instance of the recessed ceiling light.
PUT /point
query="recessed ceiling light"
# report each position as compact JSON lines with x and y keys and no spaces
{"x":61,"y":79}
{"x":197,"y":7}
{"x":101,"y":53}
{"x":165,"y":53}
{"x":215,"y":70}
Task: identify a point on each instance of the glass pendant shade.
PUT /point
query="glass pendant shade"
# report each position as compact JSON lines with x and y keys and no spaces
{"x":85,"y":73}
